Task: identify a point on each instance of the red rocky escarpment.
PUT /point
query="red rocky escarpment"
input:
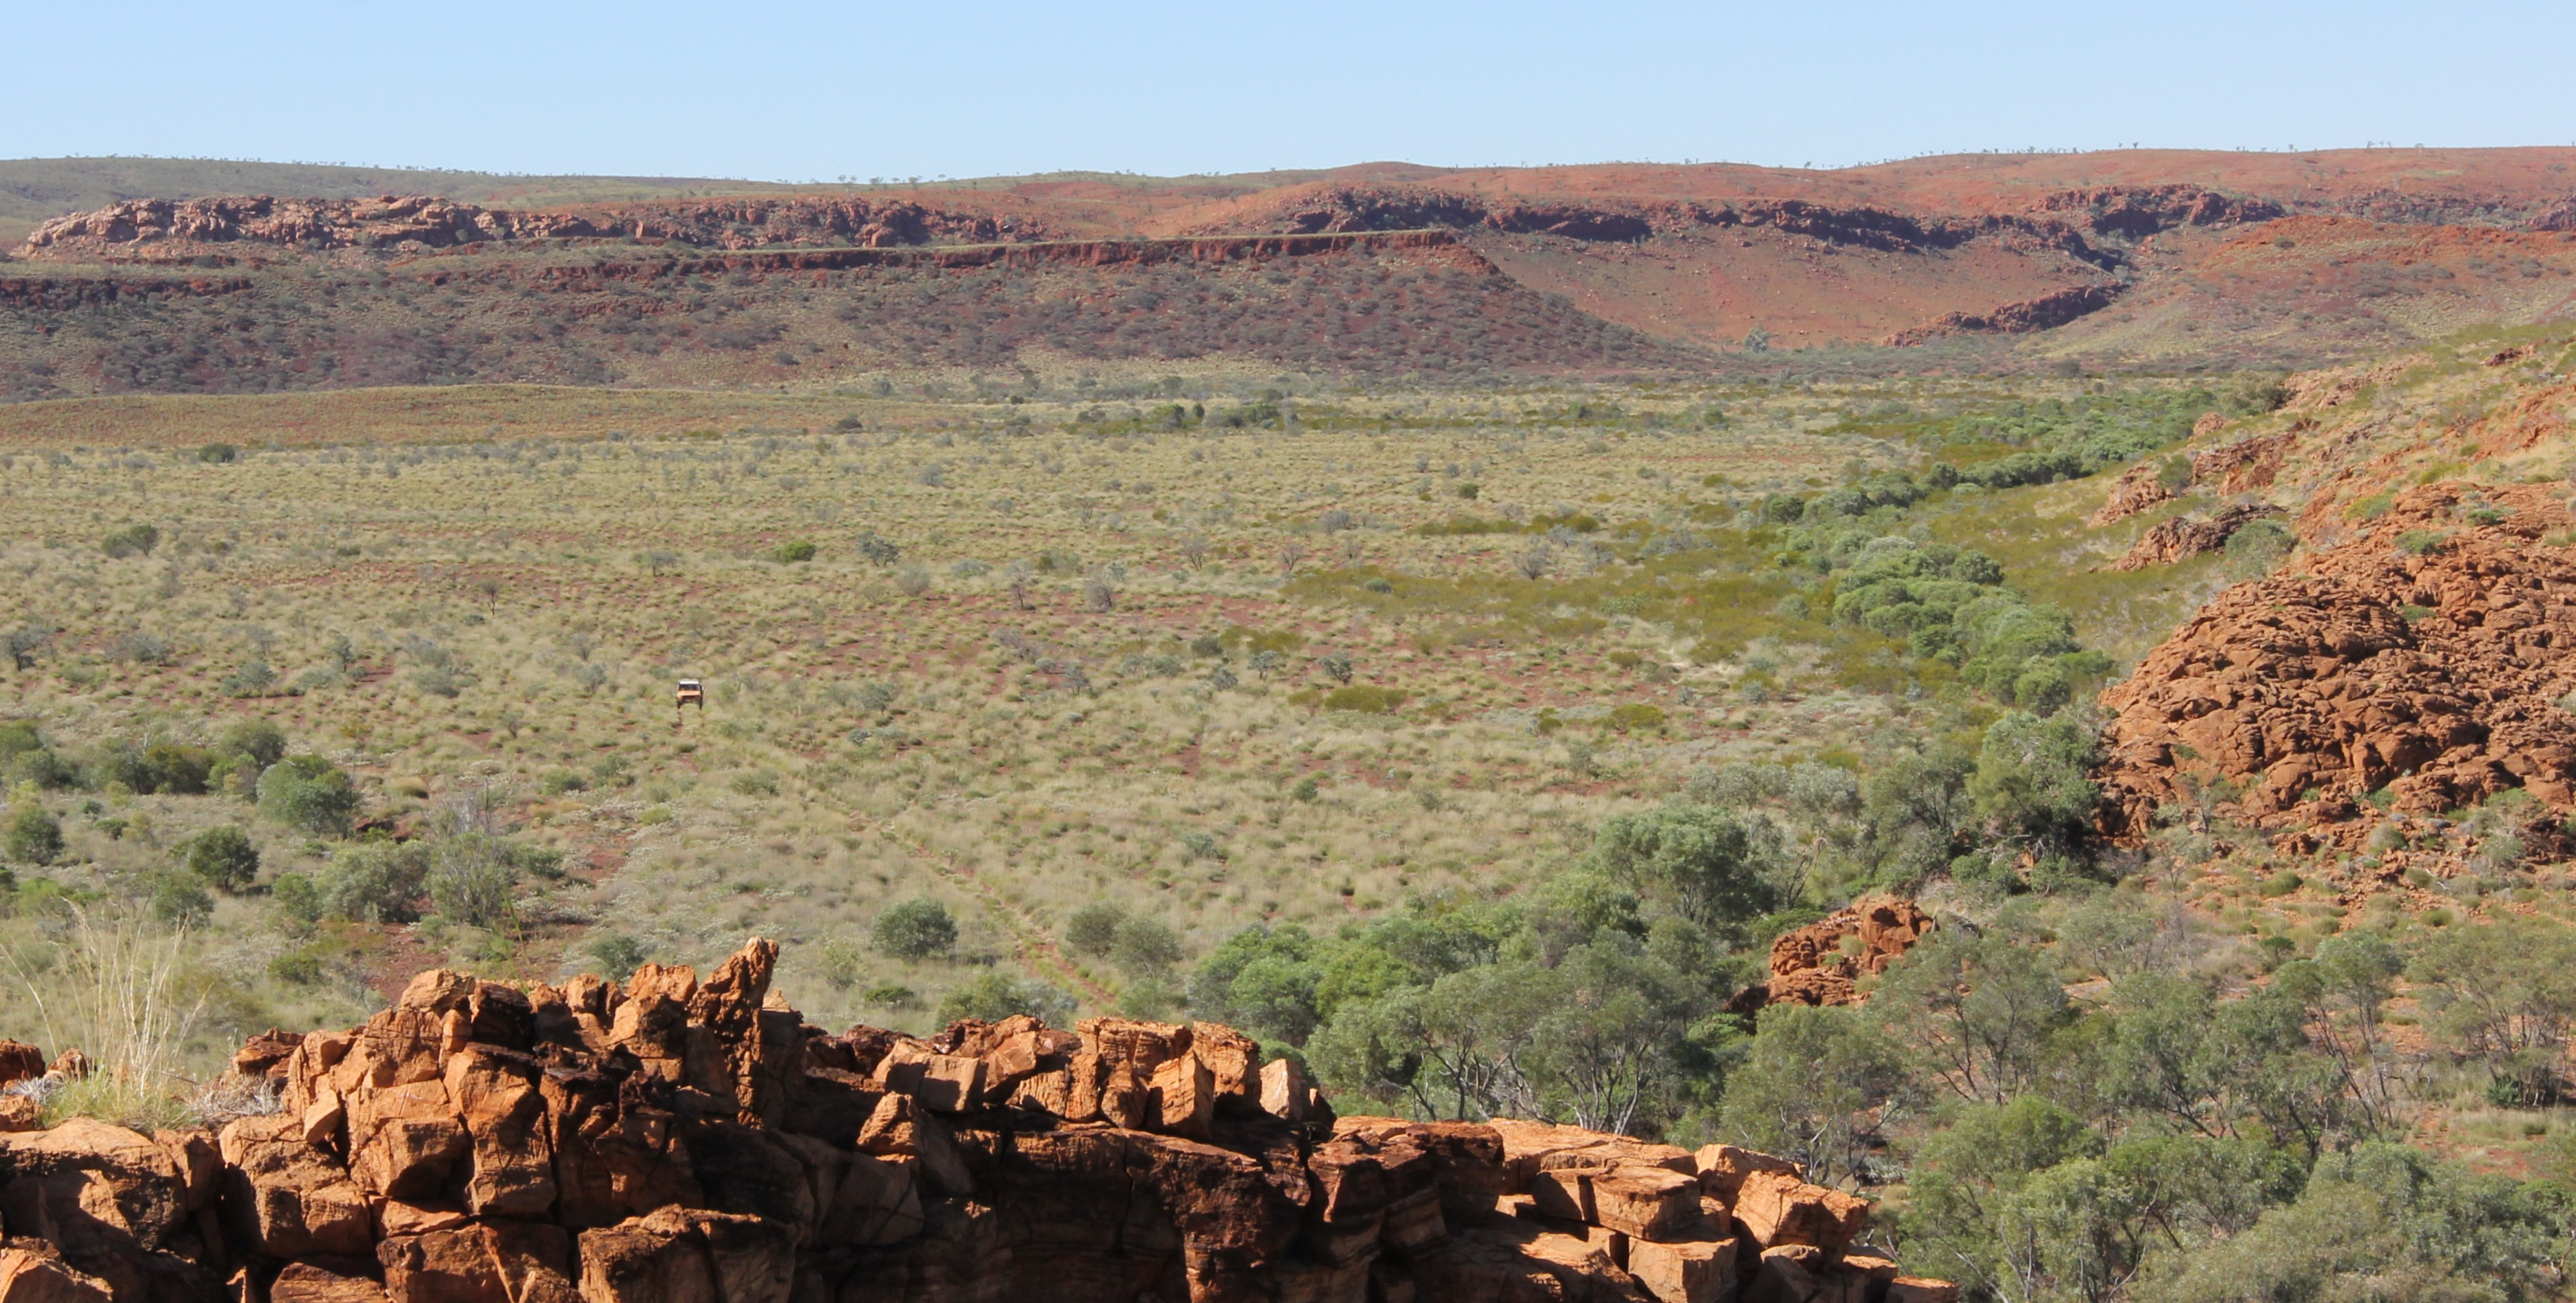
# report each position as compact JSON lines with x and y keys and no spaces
{"x":171,"y":229}
{"x":674,"y":1139}
{"x":2429,"y":656}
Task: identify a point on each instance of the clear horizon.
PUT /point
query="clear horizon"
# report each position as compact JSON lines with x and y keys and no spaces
{"x":818,"y":92}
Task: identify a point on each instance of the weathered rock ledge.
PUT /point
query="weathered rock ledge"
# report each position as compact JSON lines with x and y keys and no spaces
{"x":674,"y":1140}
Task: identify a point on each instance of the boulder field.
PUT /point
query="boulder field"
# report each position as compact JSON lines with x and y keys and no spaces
{"x":2428,"y":664}
{"x":679,"y":1140}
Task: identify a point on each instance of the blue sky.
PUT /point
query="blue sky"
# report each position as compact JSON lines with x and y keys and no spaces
{"x":808,"y":91}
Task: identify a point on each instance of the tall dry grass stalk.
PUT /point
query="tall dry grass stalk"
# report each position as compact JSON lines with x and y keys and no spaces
{"x":114,"y":989}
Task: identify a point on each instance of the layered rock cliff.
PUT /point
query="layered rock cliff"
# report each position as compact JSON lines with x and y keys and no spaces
{"x":678,"y":1140}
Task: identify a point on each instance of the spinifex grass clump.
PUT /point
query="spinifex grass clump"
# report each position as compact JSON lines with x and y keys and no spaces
{"x":120,"y":991}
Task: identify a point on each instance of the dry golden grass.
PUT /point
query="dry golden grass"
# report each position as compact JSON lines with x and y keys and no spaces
{"x":439,"y":609}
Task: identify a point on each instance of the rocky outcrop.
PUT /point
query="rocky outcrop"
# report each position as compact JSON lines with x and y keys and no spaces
{"x":673,"y":1139}
{"x":2139,"y":488}
{"x":2429,"y":656}
{"x":2047,"y":312}
{"x":2182,"y":537}
{"x":187,"y":225}
{"x":1821,"y":963}
{"x":2135,"y":212}
{"x":166,"y":229}
{"x":2245,"y":465}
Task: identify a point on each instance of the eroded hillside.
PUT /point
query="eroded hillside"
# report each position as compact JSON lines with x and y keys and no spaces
{"x":2415,"y":658}
{"x":2145,"y":258}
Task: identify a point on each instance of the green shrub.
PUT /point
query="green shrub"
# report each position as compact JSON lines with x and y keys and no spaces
{"x":2259,"y":545}
{"x":310,"y":793}
{"x":180,"y":900}
{"x":914,"y":929}
{"x":373,"y":883}
{"x":223,"y":857}
{"x":253,"y":678}
{"x":1143,"y":946}
{"x":2421,"y":542}
{"x":1637,"y":717}
{"x":133,"y":540}
{"x":35,"y":836}
{"x":616,"y":953}
{"x":218,"y":454}
{"x":1364,"y":698}
{"x":877,"y":551}
{"x":995,"y":995}
{"x":163,"y":767}
{"x":2031,"y":780}
{"x":300,"y":967}
{"x":473,"y":873}
{"x":262,"y":741}
{"x":841,"y":963}
{"x":791,"y":553}
{"x":1093,"y":929}
{"x":297,"y":897}
{"x":892,"y":997}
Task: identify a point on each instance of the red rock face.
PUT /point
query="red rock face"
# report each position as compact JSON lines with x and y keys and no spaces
{"x":683,"y":1141}
{"x":2138,"y":488}
{"x":1817,"y":965}
{"x":2182,"y":537}
{"x":2426,"y":657}
{"x":165,"y":229}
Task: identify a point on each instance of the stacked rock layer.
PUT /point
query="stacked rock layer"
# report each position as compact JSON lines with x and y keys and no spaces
{"x":677,"y":1140}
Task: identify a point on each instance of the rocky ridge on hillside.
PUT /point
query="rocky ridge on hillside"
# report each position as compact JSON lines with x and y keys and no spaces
{"x":170,"y":230}
{"x":677,"y":1140}
{"x":2429,"y":660}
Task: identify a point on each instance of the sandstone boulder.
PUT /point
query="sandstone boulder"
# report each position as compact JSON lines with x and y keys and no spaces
{"x":1651,"y":1203}
{"x":900,"y":1130}
{"x":286,"y":1198}
{"x":403,"y":1141}
{"x":91,"y":1189}
{"x":1184,"y":1095}
{"x":1779,"y":1210}
{"x":307,"y":1282}
{"x":511,"y":1169}
{"x":1233,"y":1062}
{"x":498,"y":1262}
{"x":1517,"y":1262}
{"x":1466,"y":1158}
{"x":1722,"y":1168}
{"x":19,"y":1061}
{"x":27,"y":1277}
{"x":1285,"y":1092}
{"x":1697,"y":1271}
{"x":1530,"y":1147}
